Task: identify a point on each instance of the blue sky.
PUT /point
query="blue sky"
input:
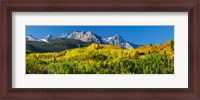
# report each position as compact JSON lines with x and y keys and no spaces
{"x":143,"y":35}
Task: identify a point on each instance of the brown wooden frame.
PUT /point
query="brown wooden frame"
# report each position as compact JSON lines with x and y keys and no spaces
{"x":9,"y":6}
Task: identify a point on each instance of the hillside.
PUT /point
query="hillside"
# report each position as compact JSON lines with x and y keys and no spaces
{"x":104,"y":59}
{"x":167,"y":47}
{"x":55,"y":45}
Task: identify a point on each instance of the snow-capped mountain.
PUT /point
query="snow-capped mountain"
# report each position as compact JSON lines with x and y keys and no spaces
{"x":115,"y":39}
{"x":64,"y":36}
{"x":85,"y":36}
{"x":48,"y":38}
{"x":118,"y":41}
{"x":31,"y":38}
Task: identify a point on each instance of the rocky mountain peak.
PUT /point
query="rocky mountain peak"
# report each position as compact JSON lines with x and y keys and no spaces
{"x":87,"y":36}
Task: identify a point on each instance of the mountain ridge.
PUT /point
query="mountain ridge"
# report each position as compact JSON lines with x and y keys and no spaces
{"x":89,"y":37}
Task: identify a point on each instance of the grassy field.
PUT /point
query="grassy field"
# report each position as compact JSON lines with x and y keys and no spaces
{"x":104,"y":59}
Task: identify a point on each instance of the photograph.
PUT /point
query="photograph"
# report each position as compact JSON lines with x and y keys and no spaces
{"x":99,"y":49}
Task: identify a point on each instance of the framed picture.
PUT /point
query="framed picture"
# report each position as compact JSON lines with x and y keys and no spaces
{"x":119,"y":49}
